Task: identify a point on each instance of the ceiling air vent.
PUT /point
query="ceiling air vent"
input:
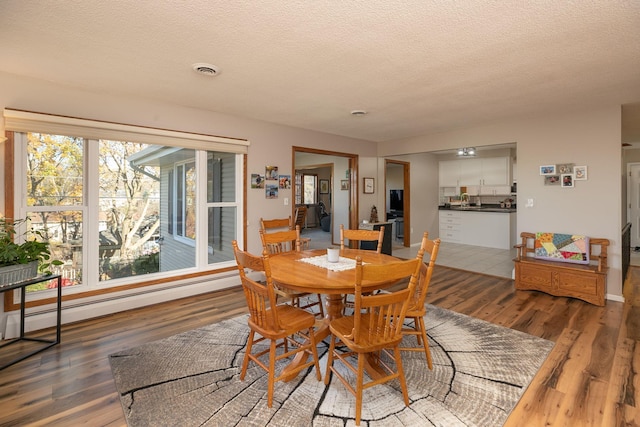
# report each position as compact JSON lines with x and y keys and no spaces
{"x":206,"y":69}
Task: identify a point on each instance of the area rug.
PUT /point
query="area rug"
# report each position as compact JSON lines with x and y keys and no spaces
{"x":192,"y":379}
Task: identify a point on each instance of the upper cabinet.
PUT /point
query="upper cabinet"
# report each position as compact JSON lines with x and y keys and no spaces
{"x":477,"y":171}
{"x":495,"y":171}
{"x":449,"y":173}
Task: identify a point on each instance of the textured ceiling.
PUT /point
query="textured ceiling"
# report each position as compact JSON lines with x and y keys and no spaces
{"x":417,"y":67}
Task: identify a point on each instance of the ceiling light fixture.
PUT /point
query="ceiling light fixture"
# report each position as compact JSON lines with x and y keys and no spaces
{"x":467,"y":152}
{"x":358,"y":113}
{"x":206,"y":69}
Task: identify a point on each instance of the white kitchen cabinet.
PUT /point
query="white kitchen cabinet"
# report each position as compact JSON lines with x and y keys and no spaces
{"x":470,"y":171}
{"x":488,"y":229}
{"x":451,"y":226}
{"x":449,"y":173}
{"x":489,"y":171}
{"x":495,"y":190}
{"x":495,"y":171}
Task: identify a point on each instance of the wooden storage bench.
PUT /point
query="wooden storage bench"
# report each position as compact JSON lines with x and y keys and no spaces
{"x":587,"y":282}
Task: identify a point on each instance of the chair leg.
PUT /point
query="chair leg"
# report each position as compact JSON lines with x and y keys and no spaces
{"x":417,"y":328}
{"x":401,"y":378}
{"x":419,"y":322}
{"x":359,"y":387}
{"x":332,"y":347}
{"x":314,"y":350}
{"x":321,"y":304}
{"x":272,"y":372}
{"x":245,"y":362}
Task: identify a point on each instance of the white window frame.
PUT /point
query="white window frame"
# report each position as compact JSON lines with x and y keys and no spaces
{"x":22,"y":122}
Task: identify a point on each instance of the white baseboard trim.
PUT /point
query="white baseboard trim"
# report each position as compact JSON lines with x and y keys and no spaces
{"x":45,"y":317}
{"x":618,"y":298}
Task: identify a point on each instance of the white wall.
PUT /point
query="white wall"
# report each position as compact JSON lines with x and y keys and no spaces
{"x":368,"y":168}
{"x":590,"y":137}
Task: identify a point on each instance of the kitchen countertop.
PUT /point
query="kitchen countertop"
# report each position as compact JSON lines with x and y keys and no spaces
{"x":483,"y":208}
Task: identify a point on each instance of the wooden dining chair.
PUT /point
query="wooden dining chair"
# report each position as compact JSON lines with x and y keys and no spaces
{"x":417,"y":309}
{"x":361,"y":235}
{"x":282,"y":224}
{"x":286,"y":241}
{"x":282,"y":325}
{"x":300,"y":216}
{"x":374,"y":328}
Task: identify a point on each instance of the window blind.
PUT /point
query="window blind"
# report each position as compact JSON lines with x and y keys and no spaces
{"x":26,"y":121}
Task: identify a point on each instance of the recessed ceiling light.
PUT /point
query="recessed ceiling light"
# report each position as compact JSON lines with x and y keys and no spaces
{"x":358,"y":113}
{"x":206,"y":69}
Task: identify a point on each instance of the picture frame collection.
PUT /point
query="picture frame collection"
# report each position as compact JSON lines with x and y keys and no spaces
{"x":564,"y":174}
{"x":271,"y":182}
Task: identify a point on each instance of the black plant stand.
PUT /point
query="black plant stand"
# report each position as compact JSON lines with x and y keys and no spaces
{"x":47,"y":343}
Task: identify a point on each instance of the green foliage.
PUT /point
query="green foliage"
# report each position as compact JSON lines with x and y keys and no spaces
{"x":32,"y":249}
{"x":147,"y":264}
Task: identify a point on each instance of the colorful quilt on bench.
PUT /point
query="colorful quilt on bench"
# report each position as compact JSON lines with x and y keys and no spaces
{"x":562,"y":247}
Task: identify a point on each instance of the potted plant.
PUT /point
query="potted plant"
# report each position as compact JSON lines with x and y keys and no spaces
{"x":22,"y":261}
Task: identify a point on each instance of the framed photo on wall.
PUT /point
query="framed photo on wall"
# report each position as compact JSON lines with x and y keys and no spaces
{"x":548,"y":170}
{"x":565,"y":168}
{"x":344,"y":184}
{"x":580,"y":172}
{"x":369,"y":185}
{"x":567,"y":180}
{"x":552,"y":180}
{"x":324,"y":186}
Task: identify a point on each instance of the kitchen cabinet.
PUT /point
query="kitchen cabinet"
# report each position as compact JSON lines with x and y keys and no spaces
{"x":449,"y":173}
{"x":488,"y":229}
{"x":451,"y":226}
{"x":494,"y":190}
{"x":495,"y":171}
{"x":489,"y":171}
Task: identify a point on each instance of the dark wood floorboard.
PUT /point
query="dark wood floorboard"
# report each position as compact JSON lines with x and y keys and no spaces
{"x":589,"y":378}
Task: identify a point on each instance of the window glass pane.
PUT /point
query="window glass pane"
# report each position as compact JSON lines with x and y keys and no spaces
{"x":54,"y":170}
{"x":309,"y":189}
{"x":129,"y":206}
{"x":179,"y":200}
{"x":190,"y":201}
{"x":222,"y":230}
{"x":221,"y":177}
{"x":63,"y":231}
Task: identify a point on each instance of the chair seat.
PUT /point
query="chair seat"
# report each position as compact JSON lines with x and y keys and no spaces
{"x":342,"y":328}
{"x":293,"y":317}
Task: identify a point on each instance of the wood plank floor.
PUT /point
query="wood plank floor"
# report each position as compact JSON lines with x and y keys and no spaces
{"x":589,"y":378}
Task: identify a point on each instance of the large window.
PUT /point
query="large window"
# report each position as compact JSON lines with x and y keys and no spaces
{"x":118,"y":211}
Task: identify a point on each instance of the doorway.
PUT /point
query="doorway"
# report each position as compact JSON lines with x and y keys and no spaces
{"x":398,"y":199}
{"x":633,"y":186}
{"x":342,"y":186}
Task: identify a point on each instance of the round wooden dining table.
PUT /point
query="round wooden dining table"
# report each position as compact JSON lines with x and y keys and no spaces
{"x":289,"y":271}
